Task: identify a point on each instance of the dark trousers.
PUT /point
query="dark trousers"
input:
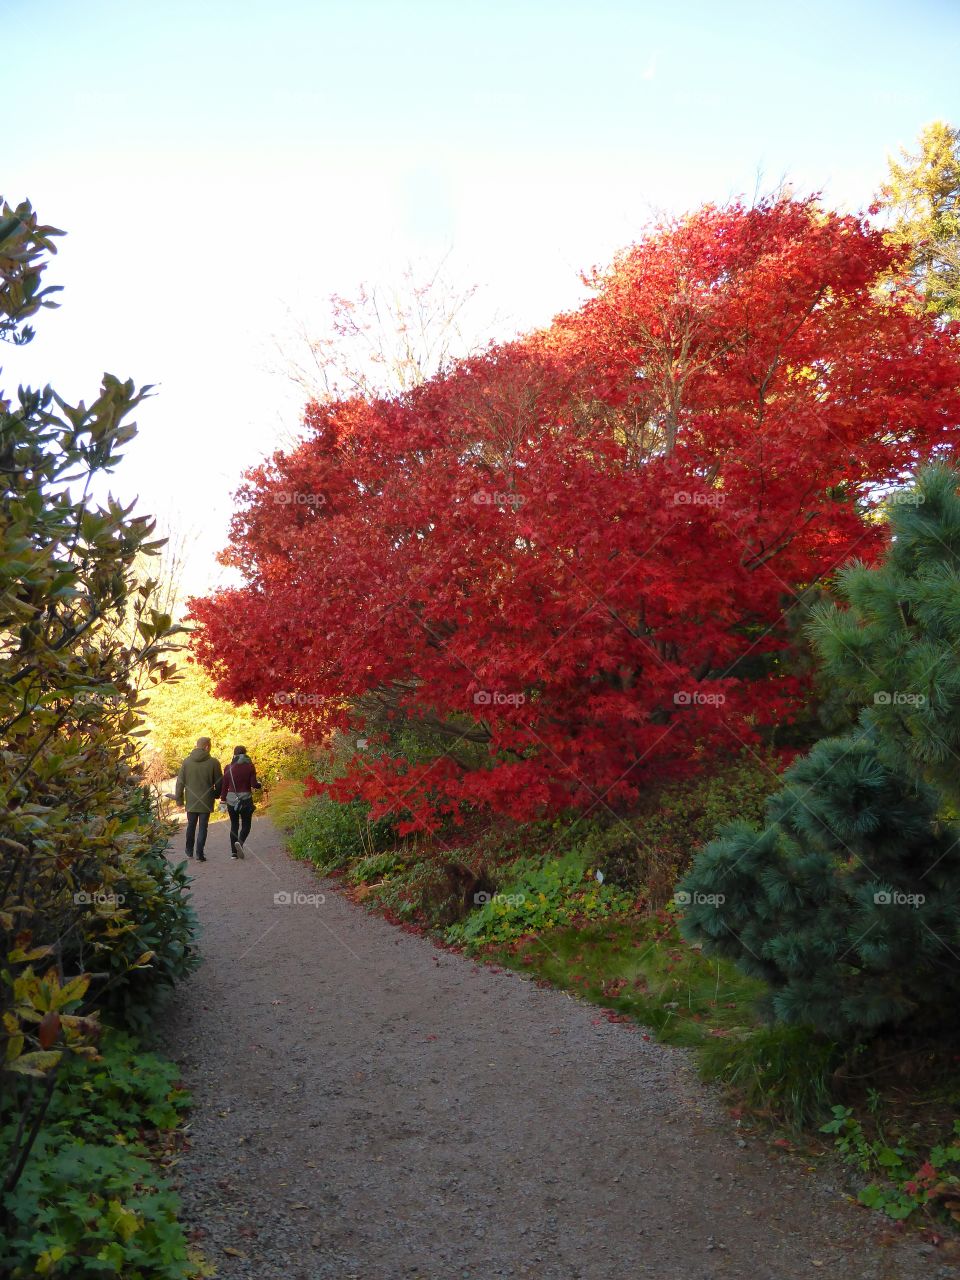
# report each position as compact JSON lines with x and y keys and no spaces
{"x":241,"y":817}
{"x":197,"y":824}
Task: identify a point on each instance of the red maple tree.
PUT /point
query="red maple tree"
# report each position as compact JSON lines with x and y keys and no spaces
{"x":569,"y":559}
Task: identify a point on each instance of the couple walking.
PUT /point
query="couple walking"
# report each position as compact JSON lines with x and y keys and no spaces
{"x":201,"y":782}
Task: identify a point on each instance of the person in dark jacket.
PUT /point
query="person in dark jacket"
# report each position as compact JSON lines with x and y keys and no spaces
{"x":237,"y":788}
{"x":198,"y":784}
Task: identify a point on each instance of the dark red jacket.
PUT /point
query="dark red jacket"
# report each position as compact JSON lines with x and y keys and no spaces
{"x":239,"y":777}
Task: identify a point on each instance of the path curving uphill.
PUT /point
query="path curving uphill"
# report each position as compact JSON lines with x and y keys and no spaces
{"x":369,"y":1107}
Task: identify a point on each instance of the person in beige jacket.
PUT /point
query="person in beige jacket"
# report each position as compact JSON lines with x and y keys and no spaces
{"x":198,"y":786}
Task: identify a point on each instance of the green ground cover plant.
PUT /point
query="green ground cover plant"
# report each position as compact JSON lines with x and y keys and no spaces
{"x":93,"y":1200}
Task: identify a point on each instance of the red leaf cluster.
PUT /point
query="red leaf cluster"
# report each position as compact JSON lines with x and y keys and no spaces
{"x":570,"y":556}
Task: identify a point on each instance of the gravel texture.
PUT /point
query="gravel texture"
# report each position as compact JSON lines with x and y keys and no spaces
{"x":370,"y":1107}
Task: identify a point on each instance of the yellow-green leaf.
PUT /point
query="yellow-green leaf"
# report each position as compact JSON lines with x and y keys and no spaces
{"x":75,"y":989}
{"x":35,"y":1064}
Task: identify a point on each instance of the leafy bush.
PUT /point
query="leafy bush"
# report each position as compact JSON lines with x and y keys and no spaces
{"x":329,"y":834}
{"x":414,"y":891}
{"x":132,"y":1089}
{"x":80,"y":639}
{"x":159,"y":921}
{"x":907,"y":1184}
{"x":541,"y":896}
{"x":91,"y":1202}
{"x":638,"y":853}
{"x":647,"y":850}
{"x":376,"y":867}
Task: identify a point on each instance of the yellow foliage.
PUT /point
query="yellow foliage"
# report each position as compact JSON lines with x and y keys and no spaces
{"x":287,"y":800}
{"x":181,"y":711}
{"x":923,"y":194}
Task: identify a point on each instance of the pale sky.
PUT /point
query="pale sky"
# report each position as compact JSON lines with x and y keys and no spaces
{"x":218,"y":164}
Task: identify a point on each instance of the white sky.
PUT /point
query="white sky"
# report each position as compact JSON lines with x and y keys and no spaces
{"x":216,"y":164}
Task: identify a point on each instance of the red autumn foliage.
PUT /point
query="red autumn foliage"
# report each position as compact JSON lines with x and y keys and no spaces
{"x":569,"y":557}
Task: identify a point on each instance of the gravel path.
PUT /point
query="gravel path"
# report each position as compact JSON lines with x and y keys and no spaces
{"x":369,"y":1107}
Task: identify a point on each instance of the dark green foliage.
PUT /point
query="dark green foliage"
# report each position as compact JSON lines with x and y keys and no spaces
{"x":780,"y":1071}
{"x":157,"y":898}
{"x":81,"y":886}
{"x":330,"y":834}
{"x":894,"y":649}
{"x":648,"y":849}
{"x":92,"y":919}
{"x":848,"y":902}
{"x":91,"y":1202}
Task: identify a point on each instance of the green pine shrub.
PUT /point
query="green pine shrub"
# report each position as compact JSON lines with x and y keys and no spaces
{"x":847,"y":903}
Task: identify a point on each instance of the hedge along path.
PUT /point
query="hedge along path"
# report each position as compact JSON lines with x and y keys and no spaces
{"x":368,"y":1106}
